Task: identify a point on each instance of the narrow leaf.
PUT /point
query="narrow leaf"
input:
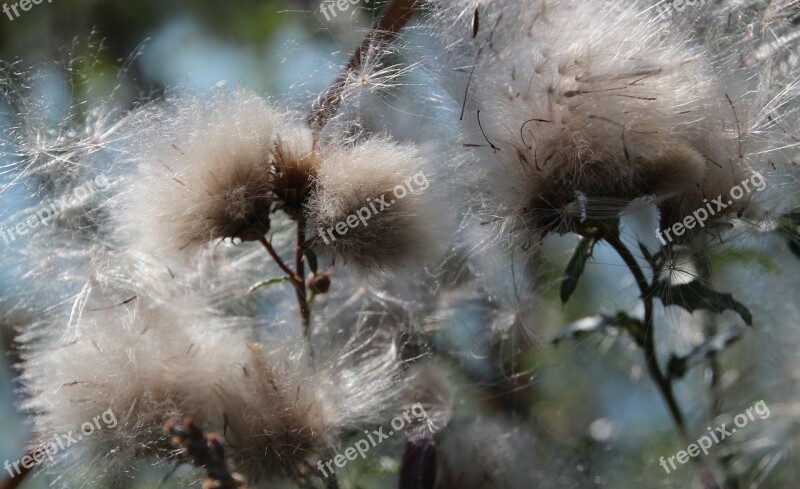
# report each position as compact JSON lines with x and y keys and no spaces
{"x":276,"y":280}
{"x":680,"y":364}
{"x":747,"y":257}
{"x":575,"y":267}
{"x":601,"y":324}
{"x":694,"y":295}
{"x":312,"y":259}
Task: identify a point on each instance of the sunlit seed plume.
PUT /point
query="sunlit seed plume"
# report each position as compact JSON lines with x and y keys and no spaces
{"x":372,"y":206}
{"x":209,"y":170}
{"x":567,"y":102}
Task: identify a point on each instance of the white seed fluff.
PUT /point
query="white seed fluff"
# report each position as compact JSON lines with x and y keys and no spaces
{"x":206,"y":171}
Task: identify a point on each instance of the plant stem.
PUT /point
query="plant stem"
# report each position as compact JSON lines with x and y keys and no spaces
{"x":300,"y":289}
{"x":393,"y":18}
{"x":296,"y":276}
{"x":649,"y":344}
{"x":716,"y":401}
{"x":279,"y":261}
{"x":709,"y":331}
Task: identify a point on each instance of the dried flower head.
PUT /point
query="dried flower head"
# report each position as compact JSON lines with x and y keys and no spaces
{"x":371,"y":207}
{"x":147,"y":353}
{"x":588,"y":103}
{"x":209,"y":170}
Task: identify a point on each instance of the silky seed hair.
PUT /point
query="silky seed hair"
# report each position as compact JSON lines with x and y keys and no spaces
{"x":385,"y":182}
{"x":555,"y":115}
{"x":213,"y":169}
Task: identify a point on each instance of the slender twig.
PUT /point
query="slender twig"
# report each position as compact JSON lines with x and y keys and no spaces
{"x":296,"y":276}
{"x":709,"y":331}
{"x":663,"y":382}
{"x":715,"y":368}
{"x":649,"y":344}
{"x":279,"y":261}
{"x":393,"y":18}
{"x":300,"y":289}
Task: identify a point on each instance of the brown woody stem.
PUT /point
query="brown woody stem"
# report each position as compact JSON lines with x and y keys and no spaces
{"x":296,"y":277}
{"x":394,"y":17}
{"x":300,"y":288}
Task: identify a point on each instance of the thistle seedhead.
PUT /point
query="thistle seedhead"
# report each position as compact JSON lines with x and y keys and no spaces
{"x":211,"y":170}
{"x":370,"y":205}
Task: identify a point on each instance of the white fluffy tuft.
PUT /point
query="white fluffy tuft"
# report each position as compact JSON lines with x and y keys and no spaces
{"x":354,"y":178}
{"x":154,"y":351}
{"x":208,"y":170}
{"x":566,"y":102}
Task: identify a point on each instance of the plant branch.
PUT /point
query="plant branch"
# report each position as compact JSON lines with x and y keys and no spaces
{"x":709,"y":331}
{"x":716,"y":402}
{"x":296,"y":276}
{"x":300,"y":288}
{"x":649,"y":344}
{"x":663,"y":383}
{"x":393,"y":18}
{"x":279,"y":261}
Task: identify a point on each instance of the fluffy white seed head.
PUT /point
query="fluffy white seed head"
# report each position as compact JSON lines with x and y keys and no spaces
{"x":209,"y":170}
{"x":122,"y":338}
{"x":372,"y":205}
{"x":569,"y":101}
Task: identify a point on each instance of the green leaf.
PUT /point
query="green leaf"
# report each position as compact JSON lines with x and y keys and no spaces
{"x":694,"y":295}
{"x":575,"y":267}
{"x":276,"y":280}
{"x":680,"y":364}
{"x":601,"y":324}
{"x":312,"y":259}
